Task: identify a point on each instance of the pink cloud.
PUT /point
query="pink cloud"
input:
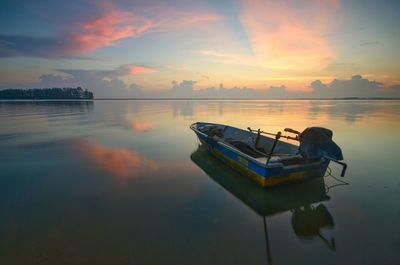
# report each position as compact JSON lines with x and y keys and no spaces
{"x":137,"y":69}
{"x":113,"y":25}
{"x":108,"y":28}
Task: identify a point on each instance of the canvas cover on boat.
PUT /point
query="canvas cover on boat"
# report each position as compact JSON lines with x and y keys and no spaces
{"x":316,"y":142}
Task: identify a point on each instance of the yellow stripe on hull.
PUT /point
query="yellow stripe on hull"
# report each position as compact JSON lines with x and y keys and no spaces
{"x":271,"y":180}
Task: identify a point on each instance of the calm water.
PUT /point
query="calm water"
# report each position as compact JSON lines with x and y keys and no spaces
{"x":124,"y":182}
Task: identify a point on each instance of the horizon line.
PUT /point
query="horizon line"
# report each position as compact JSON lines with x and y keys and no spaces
{"x":210,"y":99}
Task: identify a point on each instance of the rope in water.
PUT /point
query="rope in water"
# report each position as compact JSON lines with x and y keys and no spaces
{"x":328,"y":173}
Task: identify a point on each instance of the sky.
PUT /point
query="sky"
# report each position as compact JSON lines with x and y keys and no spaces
{"x":203,"y":49}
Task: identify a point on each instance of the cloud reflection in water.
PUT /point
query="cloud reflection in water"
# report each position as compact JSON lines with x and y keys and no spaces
{"x":119,"y":162}
{"x":141,"y":126}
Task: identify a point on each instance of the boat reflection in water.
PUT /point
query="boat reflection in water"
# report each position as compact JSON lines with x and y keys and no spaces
{"x":307,"y":219}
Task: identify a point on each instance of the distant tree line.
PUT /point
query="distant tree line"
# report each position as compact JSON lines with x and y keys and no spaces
{"x":46,"y":93}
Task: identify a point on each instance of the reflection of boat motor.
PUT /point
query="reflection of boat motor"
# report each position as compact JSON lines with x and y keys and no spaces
{"x":308,"y":220}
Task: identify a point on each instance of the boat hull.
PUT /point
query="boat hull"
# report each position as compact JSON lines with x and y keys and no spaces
{"x":264,"y":175}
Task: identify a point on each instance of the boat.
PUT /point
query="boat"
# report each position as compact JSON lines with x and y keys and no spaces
{"x":269,"y":161}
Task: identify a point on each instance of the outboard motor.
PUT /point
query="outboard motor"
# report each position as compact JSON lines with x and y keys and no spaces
{"x":316,"y":142}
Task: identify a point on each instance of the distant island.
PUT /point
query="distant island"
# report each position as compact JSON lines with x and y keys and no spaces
{"x":46,"y":93}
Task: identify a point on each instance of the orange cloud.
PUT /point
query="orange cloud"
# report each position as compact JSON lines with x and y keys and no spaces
{"x":285,"y":37}
{"x":107,"y":28}
{"x":141,"y":126}
{"x":119,"y":162}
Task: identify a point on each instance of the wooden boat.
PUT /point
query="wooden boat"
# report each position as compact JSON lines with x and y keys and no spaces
{"x":270,"y":161}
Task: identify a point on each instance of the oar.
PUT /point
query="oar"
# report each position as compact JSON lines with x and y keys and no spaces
{"x":274,"y":134}
{"x":278,"y":135}
{"x":291,"y":131}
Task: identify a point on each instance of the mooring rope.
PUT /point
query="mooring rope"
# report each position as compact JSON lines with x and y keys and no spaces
{"x":328,"y":173}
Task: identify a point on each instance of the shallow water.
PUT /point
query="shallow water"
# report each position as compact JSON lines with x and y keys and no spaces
{"x":124,"y":182}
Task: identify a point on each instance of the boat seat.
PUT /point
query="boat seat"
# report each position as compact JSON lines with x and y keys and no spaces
{"x":280,"y":159}
{"x":244,"y":147}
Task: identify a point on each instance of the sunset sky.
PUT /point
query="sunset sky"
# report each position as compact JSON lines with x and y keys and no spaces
{"x":144,"y":48}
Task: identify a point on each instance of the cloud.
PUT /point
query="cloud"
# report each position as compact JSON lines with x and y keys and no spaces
{"x":290,"y":35}
{"x":123,"y":70}
{"x":354,"y":87}
{"x":370,"y":43}
{"x":394,"y":88}
{"x":45,"y":47}
{"x":106,"y":27}
{"x":104,"y":84}
{"x":138,"y":69}
{"x":391,"y":91}
{"x":281,"y":35}
{"x":182,"y":89}
{"x":107,"y":84}
{"x":186,"y":89}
